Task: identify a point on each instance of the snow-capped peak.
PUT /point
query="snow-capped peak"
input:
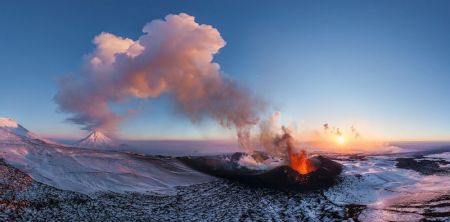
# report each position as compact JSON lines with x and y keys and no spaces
{"x":7,"y":122}
{"x":11,"y":126}
{"x":13,"y":133}
{"x":97,"y":139}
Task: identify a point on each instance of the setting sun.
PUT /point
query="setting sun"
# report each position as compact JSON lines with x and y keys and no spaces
{"x":330,"y":111}
{"x":340,"y":140}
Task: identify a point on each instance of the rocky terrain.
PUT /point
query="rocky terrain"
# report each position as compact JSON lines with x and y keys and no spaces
{"x":23,"y":199}
{"x":45,"y":181}
{"x":424,"y":166}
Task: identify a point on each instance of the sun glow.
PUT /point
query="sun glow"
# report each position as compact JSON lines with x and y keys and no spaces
{"x":340,"y":140}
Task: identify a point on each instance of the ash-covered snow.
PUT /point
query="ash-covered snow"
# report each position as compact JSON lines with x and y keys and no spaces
{"x":443,"y":156}
{"x":387,"y":191}
{"x":118,"y":186}
{"x":220,"y":200}
{"x":22,"y":199}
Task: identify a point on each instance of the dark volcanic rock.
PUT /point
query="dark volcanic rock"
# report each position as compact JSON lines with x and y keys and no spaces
{"x":426,"y":167}
{"x":283,"y":177}
{"x":236,"y":156}
{"x":22,"y":199}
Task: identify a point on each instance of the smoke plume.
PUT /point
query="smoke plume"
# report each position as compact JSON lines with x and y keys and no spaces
{"x":269,"y":131}
{"x":174,"y":56}
{"x":332,"y":130}
{"x":275,"y":139}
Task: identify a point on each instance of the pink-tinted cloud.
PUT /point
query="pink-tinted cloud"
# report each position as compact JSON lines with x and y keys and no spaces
{"x":173,"y":56}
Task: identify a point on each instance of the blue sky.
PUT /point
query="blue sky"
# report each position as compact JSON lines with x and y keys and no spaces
{"x":379,"y":65}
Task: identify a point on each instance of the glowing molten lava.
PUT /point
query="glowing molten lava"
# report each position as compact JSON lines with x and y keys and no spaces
{"x":300,"y":162}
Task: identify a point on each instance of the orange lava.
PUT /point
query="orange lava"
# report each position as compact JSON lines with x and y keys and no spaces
{"x":300,"y":162}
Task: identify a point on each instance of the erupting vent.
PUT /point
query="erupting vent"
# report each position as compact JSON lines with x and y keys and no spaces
{"x":301,"y":163}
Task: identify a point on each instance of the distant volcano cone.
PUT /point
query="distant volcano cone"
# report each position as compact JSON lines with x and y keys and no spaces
{"x":97,"y":139}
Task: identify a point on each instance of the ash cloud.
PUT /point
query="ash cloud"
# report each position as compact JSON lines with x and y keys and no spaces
{"x":174,"y":56}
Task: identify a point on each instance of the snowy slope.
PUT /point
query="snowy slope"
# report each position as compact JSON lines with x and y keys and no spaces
{"x":13,"y":133}
{"x":385,"y":190}
{"x":90,"y":171}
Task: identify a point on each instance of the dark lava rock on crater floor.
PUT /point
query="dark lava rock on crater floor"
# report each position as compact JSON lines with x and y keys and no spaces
{"x":426,"y":167}
{"x":281,"y":177}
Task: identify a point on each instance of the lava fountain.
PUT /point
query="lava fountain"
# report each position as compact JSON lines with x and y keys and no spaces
{"x":279,"y":166}
{"x":301,"y":163}
{"x":298,"y":161}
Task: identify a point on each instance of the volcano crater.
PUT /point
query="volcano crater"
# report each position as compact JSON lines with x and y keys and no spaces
{"x":279,"y":177}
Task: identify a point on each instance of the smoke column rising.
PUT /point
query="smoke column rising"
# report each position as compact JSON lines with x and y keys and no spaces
{"x":173,"y":56}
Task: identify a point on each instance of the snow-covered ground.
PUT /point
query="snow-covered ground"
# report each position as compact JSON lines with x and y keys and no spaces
{"x":371,"y":188}
{"x":377,"y":183}
{"x":89,"y":171}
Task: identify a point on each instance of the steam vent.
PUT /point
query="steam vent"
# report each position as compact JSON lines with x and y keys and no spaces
{"x":281,"y":177}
